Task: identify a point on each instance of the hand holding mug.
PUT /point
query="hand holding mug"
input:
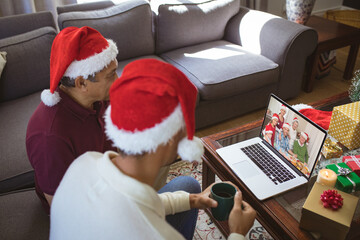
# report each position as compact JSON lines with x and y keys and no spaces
{"x":242,"y":216}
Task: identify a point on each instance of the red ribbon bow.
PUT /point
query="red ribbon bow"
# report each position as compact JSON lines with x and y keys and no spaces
{"x":331,"y":199}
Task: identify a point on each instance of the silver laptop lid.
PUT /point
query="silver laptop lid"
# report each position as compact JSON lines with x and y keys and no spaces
{"x":292,"y":135}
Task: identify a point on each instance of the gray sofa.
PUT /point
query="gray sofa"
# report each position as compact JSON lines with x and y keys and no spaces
{"x":27,"y":39}
{"x":233,"y":55}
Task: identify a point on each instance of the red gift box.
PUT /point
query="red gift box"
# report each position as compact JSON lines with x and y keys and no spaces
{"x":353,"y":162}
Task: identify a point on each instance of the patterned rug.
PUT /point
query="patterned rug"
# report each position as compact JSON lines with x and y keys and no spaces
{"x":205,"y":228}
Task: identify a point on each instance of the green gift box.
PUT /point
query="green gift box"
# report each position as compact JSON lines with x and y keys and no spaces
{"x":347,"y":180}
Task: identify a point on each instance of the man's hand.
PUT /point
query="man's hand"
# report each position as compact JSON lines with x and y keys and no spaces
{"x":202,"y":200}
{"x":242,"y":216}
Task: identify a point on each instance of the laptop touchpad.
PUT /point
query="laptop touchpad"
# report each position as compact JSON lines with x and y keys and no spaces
{"x":244,"y":169}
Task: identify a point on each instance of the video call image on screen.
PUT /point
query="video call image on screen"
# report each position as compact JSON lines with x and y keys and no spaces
{"x":294,"y":137}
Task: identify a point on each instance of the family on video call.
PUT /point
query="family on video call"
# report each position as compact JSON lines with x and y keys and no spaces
{"x":285,"y":133}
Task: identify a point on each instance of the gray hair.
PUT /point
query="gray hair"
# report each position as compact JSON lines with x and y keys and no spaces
{"x":70,"y":82}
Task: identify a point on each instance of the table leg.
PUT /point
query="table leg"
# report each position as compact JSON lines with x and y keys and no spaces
{"x":350,"y":63}
{"x":208,"y":176}
{"x":311,"y":72}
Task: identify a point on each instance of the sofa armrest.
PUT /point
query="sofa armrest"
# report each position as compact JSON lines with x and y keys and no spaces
{"x":284,"y":42}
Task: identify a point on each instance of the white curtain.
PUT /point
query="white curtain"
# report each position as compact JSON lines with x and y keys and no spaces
{"x":13,"y":7}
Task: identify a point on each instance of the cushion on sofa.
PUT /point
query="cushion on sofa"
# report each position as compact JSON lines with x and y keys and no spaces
{"x":21,"y":23}
{"x":15,"y":116}
{"x":84,"y":6}
{"x":2,"y":61}
{"x":28,"y":63}
{"x":221,"y":69}
{"x":174,"y":21}
{"x":129,"y":24}
{"x":22,"y":216}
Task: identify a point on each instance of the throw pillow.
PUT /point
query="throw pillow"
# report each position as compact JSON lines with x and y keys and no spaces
{"x":2,"y":61}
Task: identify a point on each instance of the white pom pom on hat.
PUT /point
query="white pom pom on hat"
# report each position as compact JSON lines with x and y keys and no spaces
{"x":87,"y":52}
{"x":149,"y":104}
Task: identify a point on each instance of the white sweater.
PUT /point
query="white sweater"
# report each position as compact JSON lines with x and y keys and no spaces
{"x":97,"y":201}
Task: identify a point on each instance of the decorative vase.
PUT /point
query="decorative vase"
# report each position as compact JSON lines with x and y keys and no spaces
{"x":299,"y":11}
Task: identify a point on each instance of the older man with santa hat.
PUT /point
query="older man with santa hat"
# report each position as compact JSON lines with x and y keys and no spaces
{"x":69,"y":120}
{"x":151,"y":119}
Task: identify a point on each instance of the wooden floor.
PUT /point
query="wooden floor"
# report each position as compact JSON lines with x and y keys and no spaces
{"x":323,"y":88}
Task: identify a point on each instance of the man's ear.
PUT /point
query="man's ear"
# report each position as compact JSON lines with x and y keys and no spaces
{"x":80,"y":83}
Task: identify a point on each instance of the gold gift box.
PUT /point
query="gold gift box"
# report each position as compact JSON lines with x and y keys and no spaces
{"x":327,"y":223}
{"x":331,"y":149}
{"x":345,"y":124}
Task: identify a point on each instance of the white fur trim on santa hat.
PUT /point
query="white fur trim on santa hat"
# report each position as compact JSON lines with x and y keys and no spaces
{"x":300,"y":106}
{"x":286,"y":125}
{"x":91,"y":65}
{"x":304,"y":135}
{"x":50,"y":99}
{"x":191,"y":150}
{"x":148,"y":140}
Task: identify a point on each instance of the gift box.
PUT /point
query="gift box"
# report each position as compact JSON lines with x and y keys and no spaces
{"x":347,"y":180}
{"x":345,"y":124}
{"x":353,"y":162}
{"x":331,"y":149}
{"x":328,"y":223}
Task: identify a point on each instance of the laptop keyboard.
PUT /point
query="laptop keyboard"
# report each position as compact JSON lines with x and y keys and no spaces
{"x":268,"y":164}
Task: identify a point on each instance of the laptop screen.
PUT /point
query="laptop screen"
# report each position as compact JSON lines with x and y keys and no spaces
{"x":295,"y":137}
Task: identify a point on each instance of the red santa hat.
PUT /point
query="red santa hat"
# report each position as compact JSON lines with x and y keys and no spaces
{"x":275,"y":116}
{"x":77,"y":52}
{"x":306,"y":136}
{"x":149,"y":104}
{"x":287,"y":125}
{"x":283,"y":107}
{"x":295,"y":120}
{"x":321,"y":118}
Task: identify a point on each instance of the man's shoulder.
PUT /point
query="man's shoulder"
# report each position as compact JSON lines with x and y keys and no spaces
{"x":46,"y":119}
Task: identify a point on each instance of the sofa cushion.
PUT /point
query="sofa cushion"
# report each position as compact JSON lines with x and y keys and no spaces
{"x":84,"y":6}
{"x":22,"y":216}
{"x":2,"y":61}
{"x":221,"y":69}
{"x":28,"y":63}
{"x":174,"y":21}
{"x":129,"y":24}
{"x":15,"y":116}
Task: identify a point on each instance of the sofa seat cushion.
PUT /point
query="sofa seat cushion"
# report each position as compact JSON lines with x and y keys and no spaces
{"x":174,"y":21}
{"x":128,"y":24}
{"x":28,"y":67}
{"x":221,"y":69}
{"x":22,"y":216}
{"x":15,"y":116}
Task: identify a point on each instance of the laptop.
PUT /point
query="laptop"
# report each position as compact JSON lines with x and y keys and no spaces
{"x":272,"y":166}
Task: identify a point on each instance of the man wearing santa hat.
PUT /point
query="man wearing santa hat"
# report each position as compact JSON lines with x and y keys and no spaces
{"x":69,"y":120}
{"x":300,"y":147}
{"x":110,"y":195}
{"x":293,"y":131}
{"x":282,"y":140}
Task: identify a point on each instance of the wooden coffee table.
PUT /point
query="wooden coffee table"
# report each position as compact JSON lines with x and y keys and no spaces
{"x":331,"y":35}
{"x":278,"y":214}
